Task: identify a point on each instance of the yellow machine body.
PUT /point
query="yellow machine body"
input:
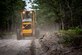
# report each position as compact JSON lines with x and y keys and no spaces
{"x":26,"y":29}
{"x":28,"y":23}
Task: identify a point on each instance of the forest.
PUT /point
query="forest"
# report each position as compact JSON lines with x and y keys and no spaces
{"x":10,"y":11}
{"x":66,"y":12}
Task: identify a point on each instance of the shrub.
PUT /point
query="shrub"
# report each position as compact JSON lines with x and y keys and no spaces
{"x":71,"y":37}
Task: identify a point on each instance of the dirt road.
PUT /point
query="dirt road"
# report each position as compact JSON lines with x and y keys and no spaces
{"x":15,"y":47}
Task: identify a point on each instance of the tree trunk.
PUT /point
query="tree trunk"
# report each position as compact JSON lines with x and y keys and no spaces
{"x":62,"y":24}
{"x":70,"y":12}
{"x":80,"y":24}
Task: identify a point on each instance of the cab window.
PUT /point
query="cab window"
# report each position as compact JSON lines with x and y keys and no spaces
{"x":27,"y":26}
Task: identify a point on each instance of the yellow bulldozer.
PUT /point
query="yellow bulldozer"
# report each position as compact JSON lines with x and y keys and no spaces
{"x":27,"y":24}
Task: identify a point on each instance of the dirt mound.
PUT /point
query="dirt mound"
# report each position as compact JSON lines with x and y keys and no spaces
{"x":49,"y":45}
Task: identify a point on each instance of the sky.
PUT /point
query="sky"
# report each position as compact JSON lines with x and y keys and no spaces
{"x":28,"y":5}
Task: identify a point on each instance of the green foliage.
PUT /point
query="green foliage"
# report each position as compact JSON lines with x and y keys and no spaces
{"x":44,"y":18}
{"x":71,"y":37}
{"x":9,"y":12}
{"x":68,"y":12}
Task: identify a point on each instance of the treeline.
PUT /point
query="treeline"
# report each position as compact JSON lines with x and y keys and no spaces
{"x":66,"y":12}
{"x":10,"y":14}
